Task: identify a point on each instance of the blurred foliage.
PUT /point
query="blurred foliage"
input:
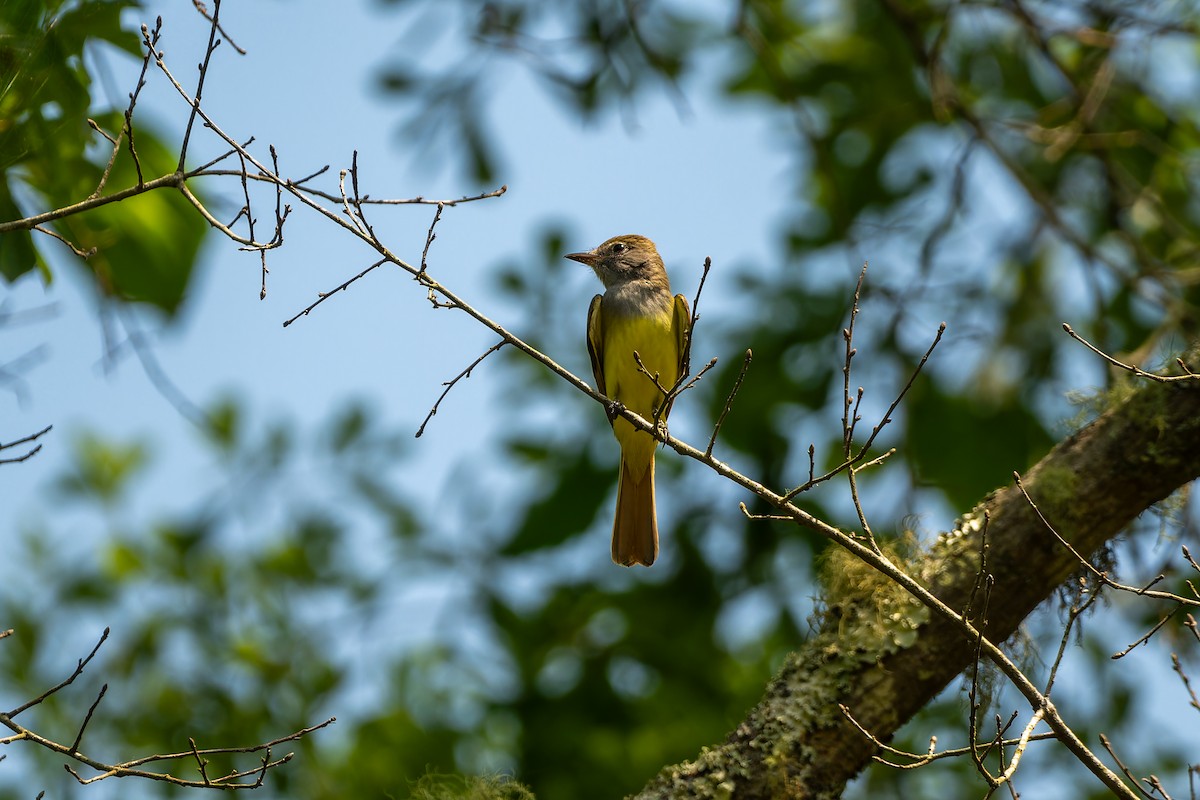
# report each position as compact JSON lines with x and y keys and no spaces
{"x":224,"y":604}
{"x":1013,"y":165}
{"x":144,"y":248}
{"x":455,"y":787}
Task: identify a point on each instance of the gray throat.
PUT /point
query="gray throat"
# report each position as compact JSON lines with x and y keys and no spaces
{"x":637,"y":298}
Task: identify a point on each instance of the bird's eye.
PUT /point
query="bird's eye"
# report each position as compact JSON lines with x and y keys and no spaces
{"x":619,"y":247}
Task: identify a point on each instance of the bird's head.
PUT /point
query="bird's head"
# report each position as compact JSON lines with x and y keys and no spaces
{"x":622,"y":259}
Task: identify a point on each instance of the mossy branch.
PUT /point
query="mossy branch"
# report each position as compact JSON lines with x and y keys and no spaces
{"x":797,"y":743}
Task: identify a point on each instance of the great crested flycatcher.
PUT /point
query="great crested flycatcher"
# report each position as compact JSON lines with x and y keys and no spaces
{"x":636,"y":314}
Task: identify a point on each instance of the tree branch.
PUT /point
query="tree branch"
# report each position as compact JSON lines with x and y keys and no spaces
{"x":797,"y":743}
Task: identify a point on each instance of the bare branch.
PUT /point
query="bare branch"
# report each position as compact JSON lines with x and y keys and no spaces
{"x":323,"y":296}
{"x":712,"y":441}
{"x":429,"y":237}
{"x":5,"y":719}
{"x":1077,"y":610}
{"x":691,"y":331}
{"x":1124,"y":769}
{"x":1101,"y":576}
{"x":848,"y":335}
{"x":466,"y":373}
{"x":917,"y":760}
{"x":30,"y":454}
{"x":132,"y":768}
{"x":203,"y":9}
{"x":213,"y":43}
{"x":1187,"y":684}
{"x":1146,"y":637}
{"x":887,"y":417}
{"x":746,"y":510}
{"x":1187,"y":375}
{"x":84,"y":254}
{"x":87,"y":718}
{"x":852,"y":477}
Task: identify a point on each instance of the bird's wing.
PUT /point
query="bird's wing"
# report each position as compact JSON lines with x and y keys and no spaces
{"x":595,"y":345}
{"x":681,"y":324}
{"x":681,"y":321}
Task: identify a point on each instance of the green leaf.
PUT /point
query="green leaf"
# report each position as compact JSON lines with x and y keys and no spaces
{"x":17,"y":254}
{"x":145,"y":246}
{"x":579,"y":488}
{"x":969,"y":446}
{"x":103,"y":469}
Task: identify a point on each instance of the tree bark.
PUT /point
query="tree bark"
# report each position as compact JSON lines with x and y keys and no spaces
{"x":888,"y":664}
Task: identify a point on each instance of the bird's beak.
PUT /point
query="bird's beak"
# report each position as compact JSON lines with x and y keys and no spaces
{"x":588,"y":258}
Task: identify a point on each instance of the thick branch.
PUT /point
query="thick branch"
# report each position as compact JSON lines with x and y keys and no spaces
{"x":796,"y":743}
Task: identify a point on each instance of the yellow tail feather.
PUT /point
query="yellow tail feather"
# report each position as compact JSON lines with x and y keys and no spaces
{"x":635,"y":530}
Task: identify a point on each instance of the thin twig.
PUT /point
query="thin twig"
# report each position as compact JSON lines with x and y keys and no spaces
{"x":83,"y":662}
{"x":984,"y":549}
{"x":1107,"y":745}
{"x":277,"y":240}
{"x":429,"y":237}
{"x":654,"y":378}
{"x":323,"y":296}
{"x":852,"y":477}
{"x":358,"y":196}
{"x":1022,"y":742}
{"x":18,"y":459}
{"x":848,"y":336}
{"x":712,"y":441}
{"x":351,"y":215}
{"x":876,"y":461}
{"x":681,"y":385}
{"x":247,"y":211}
{"x":778,"y":517}
{"x":204,"y":13}
{"x":1187,"y":684}
{"x":131,"y":768}
{"x":1147,"y":636}
{"x":1100,"y":575}
{"x":988,"y":581}
{"x":887,"y":418}
{"x":917,"y":760}
{"x":1188,"y":555}
{"x":96,"y":127}
{"x":87,"y":718}
{"x":84,"y":254}
{"x":686,"y":361}
{"x":201,"y":761}
{"x":213,"y":43}
{"x":466,"y":373}
{"x":1074,"y":613}
{"x":1138,"y":371}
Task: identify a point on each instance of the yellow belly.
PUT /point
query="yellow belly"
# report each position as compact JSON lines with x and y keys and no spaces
{"x":658,"y":348}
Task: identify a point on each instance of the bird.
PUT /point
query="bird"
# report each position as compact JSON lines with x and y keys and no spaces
{"x":636,"y":314}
